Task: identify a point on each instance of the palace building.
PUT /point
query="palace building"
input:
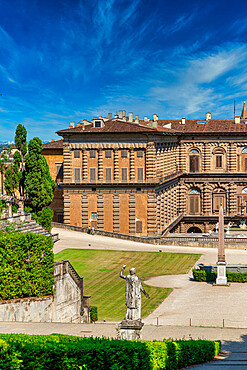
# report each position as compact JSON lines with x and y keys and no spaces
{"x":150,"y":177}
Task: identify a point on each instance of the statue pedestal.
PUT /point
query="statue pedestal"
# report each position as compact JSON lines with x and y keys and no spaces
{"x":221,"y":274}
{"x":130,"y":329}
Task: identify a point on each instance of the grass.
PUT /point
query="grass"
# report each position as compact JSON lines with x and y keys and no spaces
{"x":100,"y":270}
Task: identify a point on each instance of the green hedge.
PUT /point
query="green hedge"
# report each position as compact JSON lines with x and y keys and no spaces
{"x":26,"y":265}
{"x":236,"y":277}
{"x":57,"y":352}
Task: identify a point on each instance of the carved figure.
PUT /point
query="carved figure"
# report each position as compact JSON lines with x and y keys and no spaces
{"x":133,"y":294}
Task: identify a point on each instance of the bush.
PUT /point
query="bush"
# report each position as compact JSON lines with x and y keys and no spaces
{"x":67,"y":352}
{"x":94,"y":314}
{"x":8,"y":358}
{"x":26,"y":265}
{"x":236,"y":277}
{"x":44,"y":218}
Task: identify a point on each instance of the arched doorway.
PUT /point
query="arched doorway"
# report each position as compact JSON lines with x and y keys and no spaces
{"x":194,"y":230}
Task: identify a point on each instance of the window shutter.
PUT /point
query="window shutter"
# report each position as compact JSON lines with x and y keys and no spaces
{"x":76,"y":153}
{"x":108,"y":174}
{"x":218,"y":161}
{"x":245,"y":163}
{"x":124,"y":153}
{"x":92,"y":174}
{"x":92,"y":153}
{"x":77,"y":174}
{"x":124,"y":174}
{"x":140,"y":153}
{"x":192,"y":208}
{"x":196,"y":204}
{"x":192,"y":163}
{"x":140,"y":173}
{"x":138,"y":226}
{"x":59,"y":168}
{"x":108,"y":153}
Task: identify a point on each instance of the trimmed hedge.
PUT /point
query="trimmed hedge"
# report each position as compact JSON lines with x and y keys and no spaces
{"x":57,"y":352}
{"x":232,"y":277}
{"x":26,"y":265}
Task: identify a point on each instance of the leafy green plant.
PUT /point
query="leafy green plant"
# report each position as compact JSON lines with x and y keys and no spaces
{"x":232,"y":277}
{"x":94,"y":314}
{"x":27,"y":264}
{"x":44,"y":218}
{"x":67,"y":352}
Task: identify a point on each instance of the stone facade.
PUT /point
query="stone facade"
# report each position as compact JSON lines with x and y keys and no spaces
{"x":148,"y":178}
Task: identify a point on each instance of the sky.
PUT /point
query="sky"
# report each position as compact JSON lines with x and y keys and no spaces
{"x":63,"y":61}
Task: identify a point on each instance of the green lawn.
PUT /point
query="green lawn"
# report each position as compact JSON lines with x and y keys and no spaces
{"x":100,"y":270}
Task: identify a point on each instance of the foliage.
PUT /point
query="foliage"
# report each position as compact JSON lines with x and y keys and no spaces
{"x":13,"y":175}
{"x":15,"y":207}
{"x":44,"y":218}
{"x":68,"y":352}
{"x":21,"y":145}
{"x":8,"y":357}
{"x":27,"y":264}
{"x":38,"y":183}
{"x":232,"y":277}
{"x":94,"y":314}
{"x":2,"y":205}
{"x":107,"y":269}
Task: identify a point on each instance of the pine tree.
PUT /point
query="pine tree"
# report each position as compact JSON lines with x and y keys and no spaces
{"x":38,"y":183}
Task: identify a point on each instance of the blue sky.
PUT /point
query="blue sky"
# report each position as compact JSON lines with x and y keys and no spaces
{"x":62,"y":61}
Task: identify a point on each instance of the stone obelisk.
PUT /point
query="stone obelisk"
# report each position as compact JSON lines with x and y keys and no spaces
{"x":221,"y":264}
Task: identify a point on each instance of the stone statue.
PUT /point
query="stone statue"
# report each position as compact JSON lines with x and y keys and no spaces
{"x":217,"y":227}
{"x":228,"y":228}
{"x":133,"y":294}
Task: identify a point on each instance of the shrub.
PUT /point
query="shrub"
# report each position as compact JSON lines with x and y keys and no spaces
{"x":94,"y":314}
{"x":236,"y":277}
{"x":8,"y":358}
{"x":67,"y":352}
{"x":27,"y":265}
{"x":44,"y":218}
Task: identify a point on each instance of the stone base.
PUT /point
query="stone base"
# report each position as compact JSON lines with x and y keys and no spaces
{"x":130,"y":329}
{"x":221,"y":274}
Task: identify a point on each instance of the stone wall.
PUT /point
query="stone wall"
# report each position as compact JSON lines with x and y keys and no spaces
{"x":65,"y":306}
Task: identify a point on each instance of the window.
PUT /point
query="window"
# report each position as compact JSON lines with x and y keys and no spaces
{"x":77,"y":174}
{"x":59,"y":168}
{"x":194,"y":163}
{"x":124,"y":153}
{"x":108,"y":174}
{"x":140,"y":153}
{"x":194,"y":202}
{"x":60,"y":217}
{"x":245,"y":164}
{"x":124,"y":174}
{"x":92,"y":174}
{"x":76,"y":153}
{"x":94,"y":215}
{"x":92,"y":153}
{"x":218,"y":161}
{"x":108,"y":153}
{"x":140,"y":174}
{"x":138,"y":226}
{"x":97,"y":123}
{"x":219,"y":197}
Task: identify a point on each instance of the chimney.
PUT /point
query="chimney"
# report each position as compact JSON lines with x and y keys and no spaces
{"x":155,"y":124}
{"x":155,"y":117}
{"x":52,"y":140}
{"x":237,"y":119}
{"x":120,"y":113}
{"x":146,"y":119}
{"x":109,"y":115}
{"x":208,"y":116}
{"x":116,"y":116}
{"x":72,"y":124}
{"x":137,"y":118}
{"x":183,"y":120}
{"x":124,"y":113}
{"x":130,"y":117}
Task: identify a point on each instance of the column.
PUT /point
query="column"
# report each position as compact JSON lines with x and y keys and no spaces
{"x":84,"y":210}
{"x":132,"y":222}
{"x":66,"y":208}
{"x":100,"y":212}
{"x":207,"y":157}
{"x":67,"y":170}
{"x":116,"y":164}
{"x":132,"y":165}
{"x":116,"y":213}
{"x":158,"y":213}
{"x":151,"y":222}
{"x":100,"y":165}
{"x":232,"y":199}
{"x":84,"y":164}
{"x":150,"y":162}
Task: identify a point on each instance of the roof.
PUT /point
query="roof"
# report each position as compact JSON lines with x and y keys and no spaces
{"x":111,"y":126}
{"x":58,"y":144}
{"x":244,"y":112}
{"x":201,"y":126}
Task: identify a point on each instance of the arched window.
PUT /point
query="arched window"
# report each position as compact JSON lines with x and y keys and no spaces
{"x":194,"y":202}
{"x":194,"y":160}
{"x":219,"y":159}
{"x":219,"y":197}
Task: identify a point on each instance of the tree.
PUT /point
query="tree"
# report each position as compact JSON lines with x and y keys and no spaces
{"x":38,"y":183}
{"x":21,"y":145}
